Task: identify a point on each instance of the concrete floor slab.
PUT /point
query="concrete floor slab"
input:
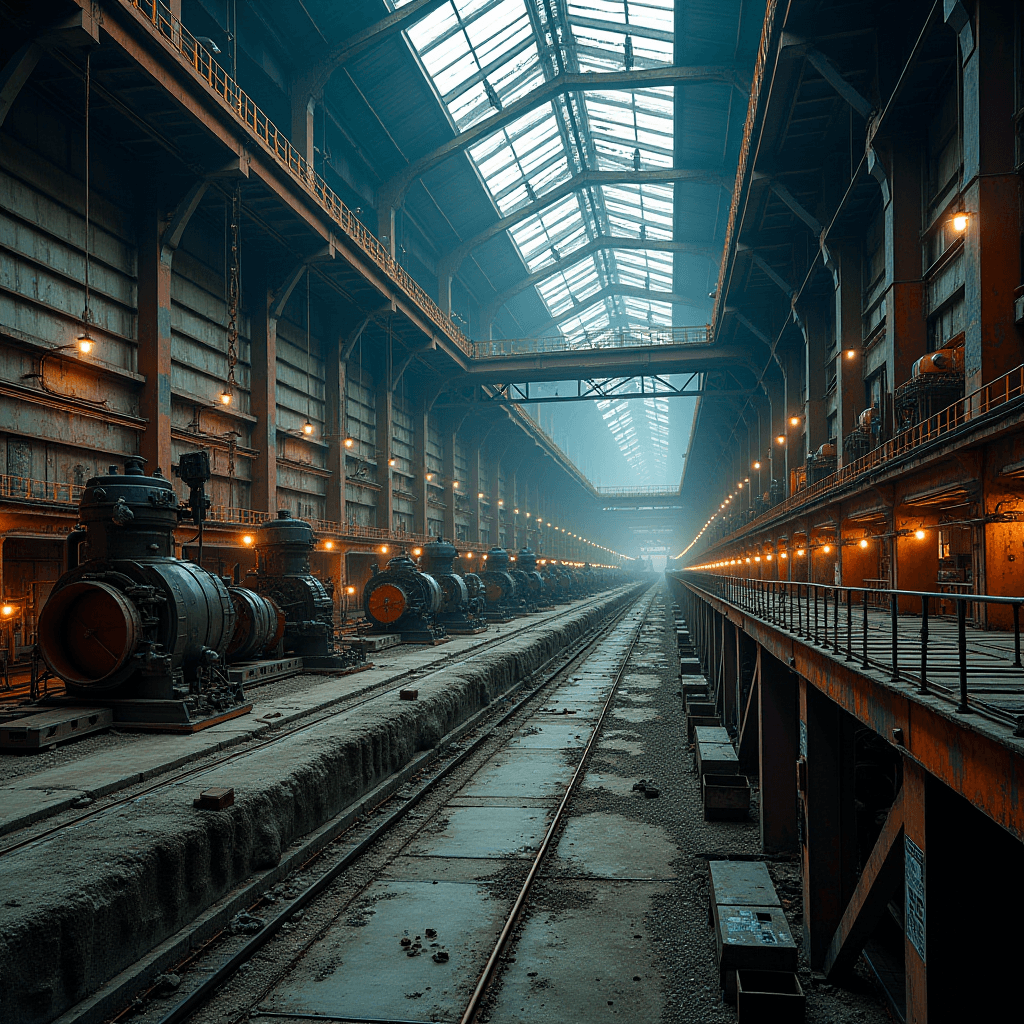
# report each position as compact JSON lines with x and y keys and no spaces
{"x":620,"y":785}
{"x":538,"y":733}
{"x":612,"y":846}
{"x":360,"y":967}
{"x":588,"y":963}
{"x":635,"y":714}
{"x":447,"y":869}
{"x":530,"y":773}
{"x":485,"y":832}
{"x":620,"y":740}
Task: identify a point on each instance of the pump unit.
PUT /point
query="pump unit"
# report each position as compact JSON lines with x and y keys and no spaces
{"x":461,"y":611}
{"x":401,"y":599}
{"x":500,"y":589}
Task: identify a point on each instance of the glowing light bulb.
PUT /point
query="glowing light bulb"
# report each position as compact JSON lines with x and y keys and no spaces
{"x":329,"y":545}
{"x":850,"y":353}
{"x":417,"y":552}
{"x":383,"y":549}
{"x":307,"y":428}
{"x":350,"y":590}
{"x":919,"y":534}
{"x":7,"y":610}
{"x":226,"y":397}
{"x":863,"y":543}
{"x":959,"y":221}
{"x":827,"y":549}
{"x":349,"y":442}
{"x":247,"y":540}
{"x":757,"y":465}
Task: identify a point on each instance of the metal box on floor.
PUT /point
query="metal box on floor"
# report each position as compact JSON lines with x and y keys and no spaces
{"x":45,"y":729}
{"x":690,"y":667}
{"x":751,"y":931}
{"x":715,"y":754}
{"x":726,"y":797}
{"x":700,"y":713}
{"x":769,"y":997}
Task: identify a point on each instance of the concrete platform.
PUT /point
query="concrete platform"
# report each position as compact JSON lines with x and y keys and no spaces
{"x":86,"y":903}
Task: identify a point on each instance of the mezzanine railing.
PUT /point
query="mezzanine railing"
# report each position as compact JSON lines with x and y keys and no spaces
{"x":196,"y":56}
{"x":586,"y":341}
{"x":961,"y":413}
{"x":904,"y":638}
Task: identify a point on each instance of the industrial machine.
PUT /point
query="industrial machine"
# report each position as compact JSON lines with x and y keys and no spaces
{"x":500,"y":589}
{"x":130,"y":625}
{"x":535,"y":592}
{"x":936,"y":381}
{"x":401,"y":599}
{"x":282,"y":573}
{"x":461,"y":611}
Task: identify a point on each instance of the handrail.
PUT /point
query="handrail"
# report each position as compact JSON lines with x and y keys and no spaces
{"x":196,"y":56}
{"x":978,"y":403}
{"x":804,"y":611}
{"x":586,"y":341}
{"x":741,"y":170}
{"x":23,"y":488}
{"x":639,"y":491}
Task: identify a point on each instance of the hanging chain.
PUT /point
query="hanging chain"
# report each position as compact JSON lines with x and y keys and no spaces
{"x":234,"y":288}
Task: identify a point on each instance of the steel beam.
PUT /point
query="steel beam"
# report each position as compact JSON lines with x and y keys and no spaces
{"x":15,"y":74}
{"x":312,"y":80}
{"x":596,"y":245}
{"x":449,"y":263}
{"x":867,"y":906}
{"x":615,"y":288}
{"x":392,"y":191}
{"x":573,"y":364}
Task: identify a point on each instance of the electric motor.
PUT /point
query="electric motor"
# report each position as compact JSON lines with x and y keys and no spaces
{"x":500,"y":588}
{"x":128,"y":618}
{"x":283,"y":546}
{"x":400,"y":594}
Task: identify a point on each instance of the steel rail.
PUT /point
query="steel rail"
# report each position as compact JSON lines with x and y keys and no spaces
{"x":179,"y":1012}
{"x":389,"y":685}
{"x":487,"y":975}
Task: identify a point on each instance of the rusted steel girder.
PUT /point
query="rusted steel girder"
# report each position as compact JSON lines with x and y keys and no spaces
{"x":125,"y":27}
{"x":977,"y":759}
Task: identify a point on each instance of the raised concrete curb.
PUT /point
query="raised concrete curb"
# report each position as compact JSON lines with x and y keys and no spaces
{"x":85,"y":904}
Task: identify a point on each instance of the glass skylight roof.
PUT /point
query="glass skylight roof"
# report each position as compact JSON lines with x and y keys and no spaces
{"x":484,"y":54}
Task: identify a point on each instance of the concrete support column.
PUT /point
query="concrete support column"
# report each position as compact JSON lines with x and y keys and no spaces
{"x":776,"y":422}
{"x":778,"y":748}
{"x":334,"y":430}
{"x":906,"y":330}
{"x":796,"y":455}
{"x":914,"y":824}
{"x":448,"y":460}
{"x":263,"y":398}
{"x":386,"y":209}
{"x":849,"y":338}
{"x":444,"y":293}
{"x":384,"y":416}
{"x":992,"y":343}
{"x":730,"y":694}
{"x":154,"y":308}
{"x":817,"y":344}
{"x":828,"y":821}
{"x":473,"y":487}
{"x":420,"y":433}
{"x":303,"y":108}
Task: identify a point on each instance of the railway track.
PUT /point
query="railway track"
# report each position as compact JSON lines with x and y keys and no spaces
{"x":341,"y":706}
{"x":601,"y":656}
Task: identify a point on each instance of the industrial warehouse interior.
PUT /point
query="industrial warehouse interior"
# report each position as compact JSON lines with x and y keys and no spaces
{"x":511,"y":511}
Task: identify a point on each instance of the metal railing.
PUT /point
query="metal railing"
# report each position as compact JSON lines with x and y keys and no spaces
{"x":23,"y":488}
{"x":756,"y":84}
{"x":638,"y":491}
{"x":978,"y":403}
{"x":837,"y":619}
{"x":196,"y":56}
{"x":585,"y":341}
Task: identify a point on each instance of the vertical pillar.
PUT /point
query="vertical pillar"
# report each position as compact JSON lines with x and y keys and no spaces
{"x":444,"y":293}
{"x":334,"y":430}
{"x":154,"y":300}
{"x":906,"y":329}
{"x":816,"y":347}
{"x":992,"y":344}
{"x":473,"y":485}
{"x":303,"y":107}
{"x":915,"y":848}
{"x":730,"y":678}
{"x":448,"y":459}
{"x":778,"y":752}
{"x":420,"y":434}
{"x":829,"y":830}
{"x":263,"y":397}
{"x":849,"y":338}
{"x":383,"y":419}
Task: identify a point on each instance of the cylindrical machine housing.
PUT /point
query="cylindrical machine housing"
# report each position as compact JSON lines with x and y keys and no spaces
{"x":400,"y":593}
